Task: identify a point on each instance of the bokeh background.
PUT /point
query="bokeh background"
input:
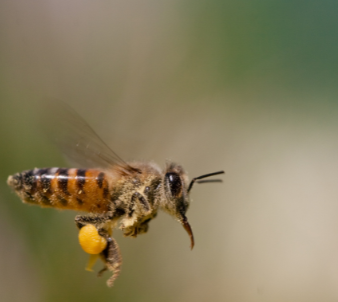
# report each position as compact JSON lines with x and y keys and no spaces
{"x":245,"y":86}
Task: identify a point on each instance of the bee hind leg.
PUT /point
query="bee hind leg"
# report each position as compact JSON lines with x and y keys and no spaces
{"x":100,"y":273}
{"x":111,"y":256}
{"x":82,"y":220}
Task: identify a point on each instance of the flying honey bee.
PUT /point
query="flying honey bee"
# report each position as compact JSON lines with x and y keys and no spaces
{"x":115,"y":193}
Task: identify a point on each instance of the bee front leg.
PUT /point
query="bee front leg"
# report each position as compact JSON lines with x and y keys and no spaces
{"x":137,"y":209}
{"x":145,"y":204}
{"x":112,"y":259}
{"x":138,"y":197}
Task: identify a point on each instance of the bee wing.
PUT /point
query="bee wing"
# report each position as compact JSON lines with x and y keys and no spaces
{"x":77,"y":140}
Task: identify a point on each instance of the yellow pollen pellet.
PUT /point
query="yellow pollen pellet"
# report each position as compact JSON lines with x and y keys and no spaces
{"x":91,"y":241}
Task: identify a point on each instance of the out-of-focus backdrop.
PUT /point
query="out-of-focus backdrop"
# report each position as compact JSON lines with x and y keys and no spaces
{"x":245,"y":86}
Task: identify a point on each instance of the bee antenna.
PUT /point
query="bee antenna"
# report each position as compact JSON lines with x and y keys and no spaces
{"x":203,"y":176}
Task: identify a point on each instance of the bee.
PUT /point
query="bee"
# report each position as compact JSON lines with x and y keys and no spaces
{"x":116,"y":194}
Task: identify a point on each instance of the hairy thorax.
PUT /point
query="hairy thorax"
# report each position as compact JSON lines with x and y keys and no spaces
{"x":137,"y":196}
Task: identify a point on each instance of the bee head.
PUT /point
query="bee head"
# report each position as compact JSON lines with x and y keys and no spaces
{"x":175,"y":184}
{"x":176,"y":189}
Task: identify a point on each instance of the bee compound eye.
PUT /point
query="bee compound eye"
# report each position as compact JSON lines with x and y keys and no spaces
{"x":91,"y":241}
{"x":175,"y":183}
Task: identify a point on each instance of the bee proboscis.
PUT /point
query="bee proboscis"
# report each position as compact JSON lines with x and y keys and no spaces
{"x":116,"y":193}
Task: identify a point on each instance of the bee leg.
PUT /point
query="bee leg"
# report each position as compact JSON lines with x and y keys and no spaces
{"x":144,"y":202}
{"x":138,"y":196}
{"x":100,"y":273}
{"x":113,"y":260}
{"x":81,"y":221}
{"x":131,"y":207}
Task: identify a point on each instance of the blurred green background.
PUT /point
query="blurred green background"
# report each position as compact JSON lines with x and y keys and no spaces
{"x":245,"y":86}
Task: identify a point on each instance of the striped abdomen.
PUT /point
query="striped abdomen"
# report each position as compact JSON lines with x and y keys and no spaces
{"x":74,"y":189}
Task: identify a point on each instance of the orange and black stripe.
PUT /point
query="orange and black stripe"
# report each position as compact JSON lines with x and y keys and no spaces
{"x":75,"y":189}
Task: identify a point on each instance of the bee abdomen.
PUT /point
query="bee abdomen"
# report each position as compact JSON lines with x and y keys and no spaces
{"x":75,"y":189}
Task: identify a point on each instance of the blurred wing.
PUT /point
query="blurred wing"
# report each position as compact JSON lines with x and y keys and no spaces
{"x":77,"y":140}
